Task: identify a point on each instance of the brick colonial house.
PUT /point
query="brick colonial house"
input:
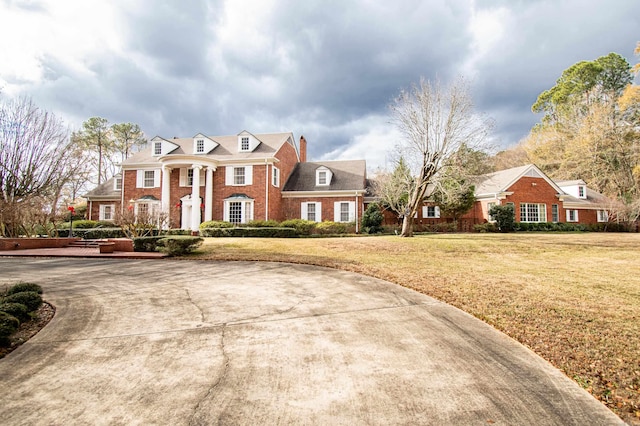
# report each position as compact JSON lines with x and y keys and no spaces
{"x":248,"y":177}
{"x":237,"y":179}
{"x":534,"y":196}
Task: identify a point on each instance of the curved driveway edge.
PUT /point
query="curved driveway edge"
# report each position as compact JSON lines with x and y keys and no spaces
{"x":245,"y":343}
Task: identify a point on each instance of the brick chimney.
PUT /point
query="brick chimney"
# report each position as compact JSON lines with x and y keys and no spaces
{"x":303,"y":149}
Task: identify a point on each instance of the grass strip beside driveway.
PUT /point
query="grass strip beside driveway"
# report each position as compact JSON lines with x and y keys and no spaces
{"x":572,"y":298}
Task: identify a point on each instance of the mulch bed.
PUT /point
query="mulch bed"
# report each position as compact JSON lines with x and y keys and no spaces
{"x":28,"y":329}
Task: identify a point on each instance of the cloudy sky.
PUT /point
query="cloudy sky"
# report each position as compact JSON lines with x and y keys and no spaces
{"x":324,"y":69}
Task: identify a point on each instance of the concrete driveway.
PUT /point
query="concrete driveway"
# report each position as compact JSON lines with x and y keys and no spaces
{"x":184,"y":342}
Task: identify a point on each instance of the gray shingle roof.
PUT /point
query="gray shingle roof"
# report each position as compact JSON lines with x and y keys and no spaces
{"x":227,"y":149}
{"x":105,"y":191}
{"x":347,"y":176}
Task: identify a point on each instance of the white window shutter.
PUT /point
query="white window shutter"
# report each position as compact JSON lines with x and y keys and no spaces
{"x":425,"y":211}
{"x":183,"y":176}
{"x":156,"y":178}
{"x":437,"y":211}
{"x":140,"y":179}
{"x":303,"y":211}
{"x":318,"y":212}
{"x":229,"y":175}
{"x":352,"y":211}
{"x":568,"y":212}
{"x":248,"y":175}
{"x":203,"y":175}
{"x":336,"y":211}
{"x":576,"y":216}
{"x":101,"y":215}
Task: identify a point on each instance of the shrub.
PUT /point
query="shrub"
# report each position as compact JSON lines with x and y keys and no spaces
{"x":263,"y":224}
{"x":17,"y":310}
{"x":8,"y":324}
{"x":250,"y":232}
{"x":327,"y":228}
{"x":504,"y":216}
{"x":179,"y":245}
{"x":176,"y":232}
{"x":146,"y":244}
{"x":30,"y":299}
{"x":93,"y":233}
{"x":302,"y":227}
{"x":216,"y":224}
{"x":20,"y":287}
{"x":485,"y":227}
{"x":372,"y":219}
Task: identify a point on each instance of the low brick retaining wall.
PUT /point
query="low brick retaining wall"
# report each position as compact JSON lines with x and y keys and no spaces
{"x":121,"y":244}
{"x":34,"y":243}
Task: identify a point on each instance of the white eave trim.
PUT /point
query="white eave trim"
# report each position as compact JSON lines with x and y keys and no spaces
{"x":310,"y":194}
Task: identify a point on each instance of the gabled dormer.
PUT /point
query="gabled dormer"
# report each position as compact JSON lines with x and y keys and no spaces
{"x":323,"y":176}
{"x":576,"y":188}
{"x":160,"y":147}
{"x":247,"y":142}
{"x":203,"y":145}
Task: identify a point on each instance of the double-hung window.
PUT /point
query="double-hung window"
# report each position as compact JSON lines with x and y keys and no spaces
{"x":533,"y":212}
{"x":344,"y":211}
{"x":431,"y":212}
{"x":311,"y":211}
{"x":603,"y":216}
{"x":244,"y":144}
{"x":149,"y":178}
{"x":572,"y":215}
{"x":554,"y":213}
{"x":106,"y":211}
{"x":239,"y":176}
{"x":275,"y":177}
{"x":200,"y":146}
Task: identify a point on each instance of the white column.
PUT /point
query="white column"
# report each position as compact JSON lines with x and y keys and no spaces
{"x":166,"y":189}
{"x":195,"y":199}
{"x":208,"y":195}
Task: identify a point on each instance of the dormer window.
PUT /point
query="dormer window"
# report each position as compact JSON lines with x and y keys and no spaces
{"x":582,"y":192}
{"x":247,"y":142}
{"x":244,"y":144}
{"x":117,"y":183}
{"x":203,"y":144}
{"x":200,"y":145}
{"x":157,"y":148}
{"x":161,"y":146}
{"x":323,"y":176}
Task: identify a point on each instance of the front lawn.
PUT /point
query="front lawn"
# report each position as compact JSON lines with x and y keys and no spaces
{"x":572,"y":298}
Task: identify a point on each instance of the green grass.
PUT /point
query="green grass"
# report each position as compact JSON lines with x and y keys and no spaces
{"x":572,"y":298}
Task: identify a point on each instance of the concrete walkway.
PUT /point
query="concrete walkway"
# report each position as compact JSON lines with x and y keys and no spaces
{"x":80,"y":252}
{"x":239,"y":343}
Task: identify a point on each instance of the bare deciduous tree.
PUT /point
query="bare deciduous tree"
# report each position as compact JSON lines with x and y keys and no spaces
{"x":36,"y":161}
{"x":435,"y":121}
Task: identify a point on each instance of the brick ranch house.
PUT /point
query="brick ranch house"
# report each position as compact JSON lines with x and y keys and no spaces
{"x":534,"y":196}
{"x":237,"y":179}
{"x":248,"y":177}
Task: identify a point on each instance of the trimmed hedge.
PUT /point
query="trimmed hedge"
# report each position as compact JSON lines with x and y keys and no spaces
{"x":302,"y":227}
{"x":331,"y":228}
{"x":215,"y":224}
{"x":87,"y":224}
{"x":8,"y":324}
{"x":93,"y":233}
{"x":30,"y":299}
{"x":18,"y":310}
{"x":146,"y":244}
{"x":179,"y":245}
{"x":263,"y":224}
{"x":20,"y":287}
{"x":250,"y":232}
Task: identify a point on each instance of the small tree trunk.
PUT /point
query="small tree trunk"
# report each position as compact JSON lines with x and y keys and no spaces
{"x":407,"y":226}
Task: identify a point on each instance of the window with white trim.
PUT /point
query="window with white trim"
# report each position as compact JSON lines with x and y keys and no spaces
{"x":244,"y":143}
{"x":582,"y":192}
{"x":603,"y":216}
{"x":533,"y":212}
{"x":149,"y":178}
{"x":157,"y":148}
{"x":431,"y":212}
{"x":117,"y":183}
{"x":344,"y":211}
{"x":238,"y":175}
{"x":200,"y":146}
{"x":572,"y":215}
{"x":275,"y":177}
{"x":323,"y":176}
{"x":311,"y":211}
{"x":555,"y":216}
{"x":238,"y":210}
{"x":106,"y":211}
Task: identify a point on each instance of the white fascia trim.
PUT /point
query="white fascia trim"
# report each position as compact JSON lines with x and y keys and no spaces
{"x":578,"y":206}
{"x":249,"y":161}
{"x":311,"y":194}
